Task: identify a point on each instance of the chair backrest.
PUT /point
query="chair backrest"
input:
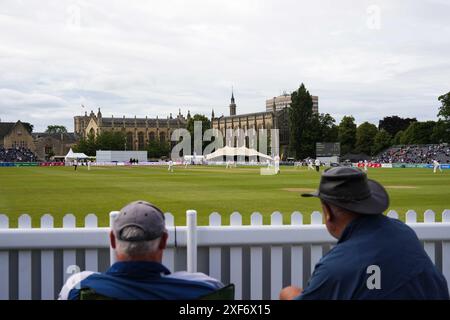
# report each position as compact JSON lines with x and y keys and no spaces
{"x":225,"y":293}
{"x":90,"y":294}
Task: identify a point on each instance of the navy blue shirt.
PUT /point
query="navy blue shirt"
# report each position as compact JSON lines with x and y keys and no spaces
{"x":140,"y":280}
{"x":406,"y":271}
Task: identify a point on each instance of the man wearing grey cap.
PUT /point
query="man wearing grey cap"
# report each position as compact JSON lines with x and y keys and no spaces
{"x":376,"y":257}
{"x":139,"y":237}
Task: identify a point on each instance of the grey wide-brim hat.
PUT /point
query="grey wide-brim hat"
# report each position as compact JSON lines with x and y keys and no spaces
{"x":349,"y":188}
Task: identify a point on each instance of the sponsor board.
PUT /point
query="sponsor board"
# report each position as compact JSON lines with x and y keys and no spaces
{"x":370,"y":165}
{"x":26,"y":164}
{"x":418,"y":165}
{"x":51,"y":164}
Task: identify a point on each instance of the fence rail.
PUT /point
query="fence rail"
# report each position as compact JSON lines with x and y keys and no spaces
{"x":259,"y":259}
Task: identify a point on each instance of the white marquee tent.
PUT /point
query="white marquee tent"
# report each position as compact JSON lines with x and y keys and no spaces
{"x":74,"y":155}
{"x":240,"y":151}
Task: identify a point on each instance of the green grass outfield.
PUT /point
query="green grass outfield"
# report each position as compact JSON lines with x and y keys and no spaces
{"x":61,"y":190}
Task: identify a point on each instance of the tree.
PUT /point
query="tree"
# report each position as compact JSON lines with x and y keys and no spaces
{"x":365,"y":136}
{"x":444,"y":109}
{"x":419,"y":133}
{"x":86,"y":145}
{"x":397,"y":140}
{"x":381,"y":141}
{"x":394,"y":124}
{"x":324,"y":129}
{"x":347,"y":134}
{"x":110,"y":140}
{"x":157,"y":149}
{"x":56,"y":129}
{"x":28,"y":126}
{"x":328,"y":128}
{"x":441,"y":132}
{"x":300,"y":123}
{"x":206,"y":124}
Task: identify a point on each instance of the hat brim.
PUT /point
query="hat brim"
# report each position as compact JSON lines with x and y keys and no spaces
{"x":377,"y":203}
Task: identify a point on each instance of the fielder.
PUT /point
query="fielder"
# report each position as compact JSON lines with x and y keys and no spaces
{"x":317,"y":163}
{"x":436,"y":165}
{"x":310,"y":165}
{"x":366,"y":165}
{"x":277,"y":164}
{"x":170,"y":169}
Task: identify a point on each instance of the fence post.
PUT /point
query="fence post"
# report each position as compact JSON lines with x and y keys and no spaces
{"x":215,"y":253}
{"x":191,"y":246}
{"x":4,"y":263}
{"x":24,"y":263}
{"x":446,"y":249}
{"x":316,"y":249}
{"x":430,"y":246}
{"x":169,"y":253}
{"x":112,"y":253}
{"x":47,"y":264}
{"x":91,"y":255}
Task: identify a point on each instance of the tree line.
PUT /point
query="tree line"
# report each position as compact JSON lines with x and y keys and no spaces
{"x":307,"y":128}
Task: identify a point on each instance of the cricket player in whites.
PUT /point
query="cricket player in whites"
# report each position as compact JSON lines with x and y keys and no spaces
{"x":276,"y":160}
{"x":436,"y":165}
{"x":310,"y":165}
{"x":317,"y":163}
{"x":366,"y":165}
{"x":170,"y":169}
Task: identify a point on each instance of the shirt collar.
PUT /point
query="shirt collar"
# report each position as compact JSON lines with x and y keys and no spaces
{"x":138,"y":269}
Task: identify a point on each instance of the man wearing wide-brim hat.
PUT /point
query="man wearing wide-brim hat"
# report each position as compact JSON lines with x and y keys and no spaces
{"x":376,"y":257}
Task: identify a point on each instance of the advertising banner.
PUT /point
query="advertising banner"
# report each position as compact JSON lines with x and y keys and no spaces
{"x":6,"y":164}
{"x":51,"y":164}
{"x":26,"y":164}
{"x":370,"y":165}
{"x":418,"y":165}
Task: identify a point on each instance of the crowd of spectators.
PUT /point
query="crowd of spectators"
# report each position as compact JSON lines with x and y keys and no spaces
{"x":18,"y":154}
{"x":415,"y":154}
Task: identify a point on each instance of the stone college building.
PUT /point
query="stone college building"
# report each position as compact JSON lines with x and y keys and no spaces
{"x":139,"y":131}
{"x":275,"y":117}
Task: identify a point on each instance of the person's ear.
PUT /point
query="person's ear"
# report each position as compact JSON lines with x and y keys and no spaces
{"x":112,"y":240}
{"x":163,"y":242}
{"x":327,"y":212}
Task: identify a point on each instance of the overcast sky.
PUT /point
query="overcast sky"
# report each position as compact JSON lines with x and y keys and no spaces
{"x":368,"y":59}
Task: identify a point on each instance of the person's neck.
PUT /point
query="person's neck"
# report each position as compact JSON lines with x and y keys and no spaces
{"x":138,"y":258}
{"x":345,"y":223}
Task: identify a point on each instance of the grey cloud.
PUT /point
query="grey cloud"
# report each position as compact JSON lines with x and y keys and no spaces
{"x":154,"y":57}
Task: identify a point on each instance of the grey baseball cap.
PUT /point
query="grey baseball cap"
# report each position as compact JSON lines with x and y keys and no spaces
{"x":143,"y":215}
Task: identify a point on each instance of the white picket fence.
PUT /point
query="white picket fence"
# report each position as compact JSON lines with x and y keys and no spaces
{"x":259,"y":259}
